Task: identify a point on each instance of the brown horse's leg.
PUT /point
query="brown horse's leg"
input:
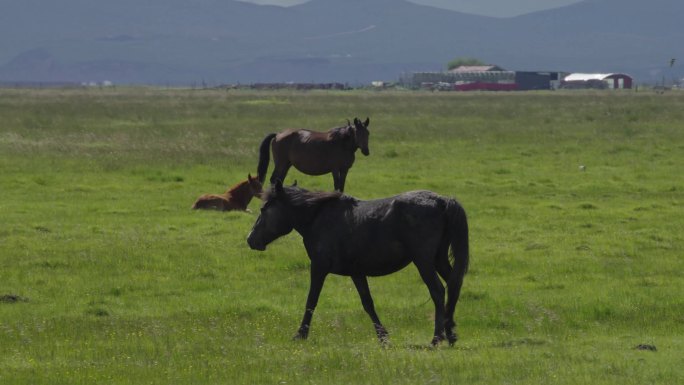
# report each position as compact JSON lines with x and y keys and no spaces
{"x":361,"y":284}
{"x":317,"y":279}
{"x":336,"y":180}
{"x":339,"y":177}
{"x":280,"y":172}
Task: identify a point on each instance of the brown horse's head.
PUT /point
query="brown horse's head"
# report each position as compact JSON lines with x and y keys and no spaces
{"x":254,"y":185}
{"x":361,"y":135}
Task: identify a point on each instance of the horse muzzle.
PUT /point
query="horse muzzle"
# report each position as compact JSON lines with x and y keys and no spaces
{"x":254,"y":244}
{"x":365,"y":151}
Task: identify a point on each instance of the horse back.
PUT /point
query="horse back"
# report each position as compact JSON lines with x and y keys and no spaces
{"x":299,"y":137}
{"x":379,"y":237}
{"x":407,"y":214}
{"x":211,"y":202}
{"x":311,"y":152}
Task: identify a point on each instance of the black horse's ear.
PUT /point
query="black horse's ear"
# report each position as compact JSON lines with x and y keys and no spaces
{"x":367,"y":122}
{"x":356,"y":121}
{"x":348,"y":123}
{"x":295,"y":183}
{"x":249,"y":176}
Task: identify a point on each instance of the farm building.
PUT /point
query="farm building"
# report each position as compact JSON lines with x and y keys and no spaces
{"x":464,"y":78}
{"x":490,"y":78}
{"x":538,"y":80}
{"x":585,"y":80}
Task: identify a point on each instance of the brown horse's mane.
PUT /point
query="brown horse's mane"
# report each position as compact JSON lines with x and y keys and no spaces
{"x":236,"y":187}
{"x":341,"y":132}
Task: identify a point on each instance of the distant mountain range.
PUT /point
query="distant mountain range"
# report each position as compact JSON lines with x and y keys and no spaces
{"x":349,"y":41}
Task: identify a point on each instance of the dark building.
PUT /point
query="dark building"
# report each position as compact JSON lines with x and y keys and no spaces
{"x":538,"y":80}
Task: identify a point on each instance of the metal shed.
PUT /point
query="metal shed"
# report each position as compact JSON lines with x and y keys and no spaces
{"x":612,"y":80}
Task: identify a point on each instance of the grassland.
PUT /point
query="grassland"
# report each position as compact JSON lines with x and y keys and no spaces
{"x":108,"y":277}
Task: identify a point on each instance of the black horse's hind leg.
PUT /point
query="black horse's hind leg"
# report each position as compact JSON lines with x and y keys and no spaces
{"x":361,"y":283}
{"x":429,"y":275}
{"x":317,"y":279}
{"x":454,"y":284}
{"x":444,"y":269}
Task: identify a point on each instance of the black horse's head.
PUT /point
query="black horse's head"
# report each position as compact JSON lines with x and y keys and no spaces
{"x":361,"y":135}
{"x":285,"y":209}
{"x":274,"y":221}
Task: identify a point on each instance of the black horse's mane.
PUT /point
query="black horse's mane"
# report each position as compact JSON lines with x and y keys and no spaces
{"x":300,"y":197}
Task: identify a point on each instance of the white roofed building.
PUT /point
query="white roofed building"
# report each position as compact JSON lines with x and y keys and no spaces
{"x":611,"y":80}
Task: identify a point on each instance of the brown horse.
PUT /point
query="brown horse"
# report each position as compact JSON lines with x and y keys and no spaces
{"x":235,"y":198}
{"x":314,"y":153}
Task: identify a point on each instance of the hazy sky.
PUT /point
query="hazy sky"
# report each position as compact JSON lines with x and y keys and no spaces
{"x":498,"y":8}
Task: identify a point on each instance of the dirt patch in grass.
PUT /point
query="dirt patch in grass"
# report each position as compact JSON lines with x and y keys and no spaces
{"x":646,"y":347}
{"x":12,"y":298}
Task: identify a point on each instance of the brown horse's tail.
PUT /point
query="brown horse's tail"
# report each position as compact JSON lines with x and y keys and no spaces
{"x":458,"y":239}
{"x":264,"y":157}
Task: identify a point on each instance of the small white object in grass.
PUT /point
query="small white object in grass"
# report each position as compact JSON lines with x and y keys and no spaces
{"x":582,"y":167}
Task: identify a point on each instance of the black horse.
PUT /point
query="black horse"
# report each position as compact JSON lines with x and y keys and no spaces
{"x":355,"y":238}
{"x":314,"y":153}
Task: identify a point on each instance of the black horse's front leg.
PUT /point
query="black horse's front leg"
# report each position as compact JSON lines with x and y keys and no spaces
{"x":317,"y":279}
{"x":361,"y":283}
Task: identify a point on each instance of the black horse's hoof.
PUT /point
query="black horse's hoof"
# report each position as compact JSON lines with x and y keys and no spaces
{"x":300,"y":336}
{"x":436,"y":340}
{"x":452,"y":338}
{"x":383,"y":335}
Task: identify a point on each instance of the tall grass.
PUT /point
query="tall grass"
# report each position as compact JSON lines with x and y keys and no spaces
{"x":575,"y":202}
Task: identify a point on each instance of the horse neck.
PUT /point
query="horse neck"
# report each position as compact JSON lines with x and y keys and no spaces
{"x":307,"y":214}
{"x":347,"y":139}
{"x":303,"y":222}
{"x":241,"y":193}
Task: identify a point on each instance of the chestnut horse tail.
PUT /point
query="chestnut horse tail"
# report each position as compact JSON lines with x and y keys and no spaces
{"x":264,"y":157}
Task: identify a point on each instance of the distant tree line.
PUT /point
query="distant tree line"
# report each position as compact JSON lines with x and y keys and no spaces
{"x":464,"y":61}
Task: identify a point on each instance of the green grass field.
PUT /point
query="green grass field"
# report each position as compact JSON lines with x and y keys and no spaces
{"x":108,"y":277}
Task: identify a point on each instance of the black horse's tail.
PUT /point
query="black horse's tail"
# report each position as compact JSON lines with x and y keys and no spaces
{"x":457,"y":232}
{"x":458,"y":239}
{"x":264,"y":157}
